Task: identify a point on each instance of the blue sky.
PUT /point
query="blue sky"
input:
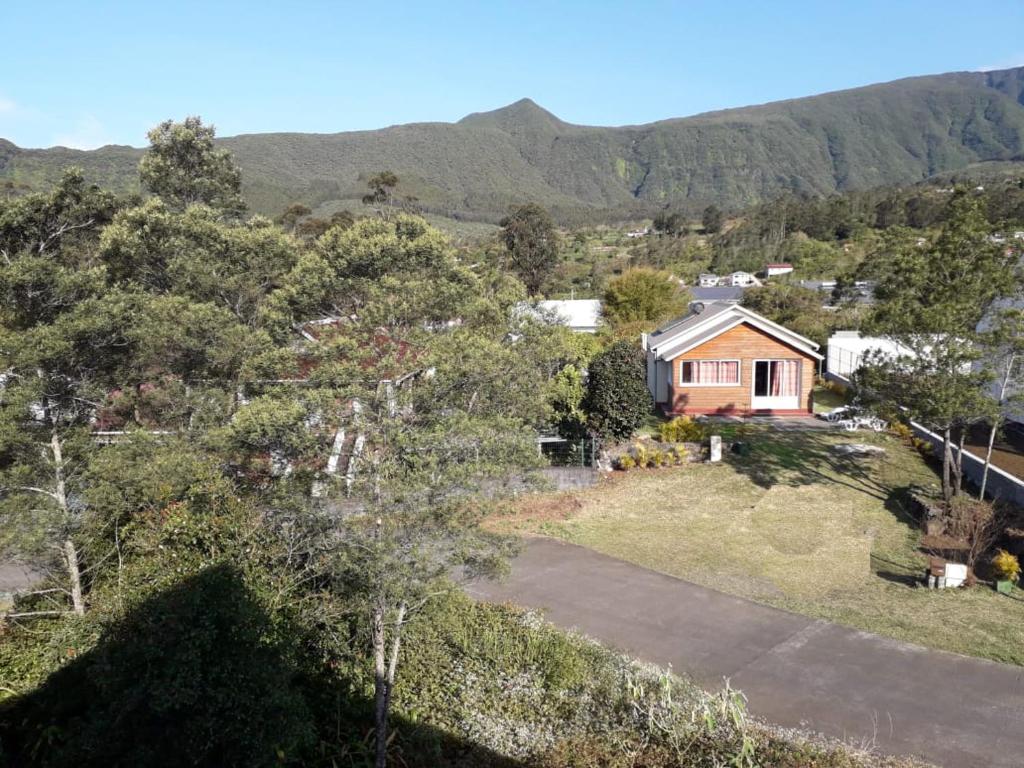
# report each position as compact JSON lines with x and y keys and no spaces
{"x":86,"y":74}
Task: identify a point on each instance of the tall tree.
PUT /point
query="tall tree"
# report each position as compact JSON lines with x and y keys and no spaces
{"x":183,"y":167}
{"x":448,"y":394}
{"x":712,"y":220}
{"x":382,"y":190}
{"x":617,"y":399}
{"x":643,"y":296}
{"x":1003,"y":344}
{"x":532,"y":244}
{"x":61,"y":342}
{"x":931,"y":300}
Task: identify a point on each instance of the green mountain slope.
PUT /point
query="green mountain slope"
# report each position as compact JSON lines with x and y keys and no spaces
{"x":893,"y":133}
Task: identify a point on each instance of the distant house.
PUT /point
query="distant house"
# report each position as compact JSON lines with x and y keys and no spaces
{"x":708,"y":280}
{"x":742,"y":280}
{"x":722,"y":358}
{"x":581,"y":315}
{"x":774,"y":270}
{"x":638,"y":233}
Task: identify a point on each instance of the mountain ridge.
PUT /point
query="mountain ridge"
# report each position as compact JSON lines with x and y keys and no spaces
{"x":898,"y":132}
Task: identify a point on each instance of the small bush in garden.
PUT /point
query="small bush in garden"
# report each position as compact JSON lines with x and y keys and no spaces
{"x":902,"y":431}
{"x":641,"y":455}
{"x":1005,"y":567}
{"x":679,"y":454}
{"x":683,"y":429}
{"x":626,"y":462}
{"x":923,"y":446}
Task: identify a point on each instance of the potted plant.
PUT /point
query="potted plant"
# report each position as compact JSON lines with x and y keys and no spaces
{"x":1006,"y":568}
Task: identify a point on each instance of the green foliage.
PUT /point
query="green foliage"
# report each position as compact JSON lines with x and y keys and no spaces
{"x":683,"y":429}
{"x":643,"y":297}
{"x":183,"y":167}
{"x":712,"y":220}
{"x":532,"y":245}
{"x":799,"y":309}
{"x":617,"y":400}
{"x":1005,"y":567}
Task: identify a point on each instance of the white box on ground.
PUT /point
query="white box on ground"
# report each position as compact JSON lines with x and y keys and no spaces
{"x":956,"y":574}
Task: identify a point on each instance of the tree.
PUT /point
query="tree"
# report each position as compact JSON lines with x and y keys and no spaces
{"x":1003,"y":342}
{"x":931,"y":300}
{"x":617,"y":400}
{"x":793,"y":306}
{"x":382,"y":189}
{"x":196,"y":254}
{"x":61,"y":342}
{"x":670,"y":223}
{"x":292,"y":215}
{"x":712,"y":220}
{"x":643,"y":296}
{"x":183,"y":168}
{"x":445,"y":412}
{"x":532,"y":245}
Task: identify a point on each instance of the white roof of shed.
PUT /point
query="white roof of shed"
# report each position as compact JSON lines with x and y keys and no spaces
{"x":575,"y":313}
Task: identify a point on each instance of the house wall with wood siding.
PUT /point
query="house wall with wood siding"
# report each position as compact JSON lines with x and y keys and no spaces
{"x":746,"y":344}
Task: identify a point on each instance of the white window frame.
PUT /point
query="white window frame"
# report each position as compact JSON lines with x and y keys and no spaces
{"x":739,"y":371}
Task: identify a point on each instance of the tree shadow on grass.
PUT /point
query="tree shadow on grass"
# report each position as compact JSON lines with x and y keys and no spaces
{"x":194,"y":676}
{"x":794,"y":458}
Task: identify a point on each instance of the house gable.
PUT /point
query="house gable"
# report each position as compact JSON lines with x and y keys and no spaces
{"x":743,"y":342}
{"x":697,"y":329}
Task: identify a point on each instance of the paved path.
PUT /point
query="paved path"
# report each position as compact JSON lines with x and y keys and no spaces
{"x":951,"y":710}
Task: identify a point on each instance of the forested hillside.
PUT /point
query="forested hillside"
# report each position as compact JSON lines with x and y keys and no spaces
{"x":893,"y":133}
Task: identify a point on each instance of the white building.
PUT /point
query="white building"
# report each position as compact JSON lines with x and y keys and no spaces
{"x":773,"y":270}
{"x":581,"y":315}
{"x":847,"y":350}
{"x":708,"y":280}
{"x":742,"y":280}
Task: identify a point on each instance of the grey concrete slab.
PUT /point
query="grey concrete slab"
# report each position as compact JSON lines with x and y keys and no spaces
{"x":951,"y":710}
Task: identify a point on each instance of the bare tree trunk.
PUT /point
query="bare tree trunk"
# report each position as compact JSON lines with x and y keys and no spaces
{"x":385,"y":664}
{"x":68,"y":547}
{"x":988,"y":456}
{"x":380,"y":685}
{"x":958,"y":467}
{"x":996,"y":421}
{"x":947,"y":461}
{"x":74,"y":576}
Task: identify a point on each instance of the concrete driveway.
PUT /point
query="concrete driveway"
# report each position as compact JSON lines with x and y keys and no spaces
{"x":950,"y":710}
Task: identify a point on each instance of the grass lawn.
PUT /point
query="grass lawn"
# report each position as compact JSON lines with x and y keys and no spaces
{"x":826,"y":399}
{"x":794,"y":525}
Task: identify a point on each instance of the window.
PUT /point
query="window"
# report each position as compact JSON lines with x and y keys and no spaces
{"x":709,"y":372}
{"x":777,"y":378}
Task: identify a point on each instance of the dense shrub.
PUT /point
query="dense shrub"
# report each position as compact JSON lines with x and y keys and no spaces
{"x":617,"y":399}
{"x":1005,"y":567}
{"x":683,"y":429}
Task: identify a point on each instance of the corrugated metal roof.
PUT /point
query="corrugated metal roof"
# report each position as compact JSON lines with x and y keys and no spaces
{"x":717,"y":293}
{"x":689,"y":320}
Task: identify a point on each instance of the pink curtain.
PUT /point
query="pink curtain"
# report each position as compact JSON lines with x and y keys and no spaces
{"x":711,"y":372}
{"x":785,"y":378}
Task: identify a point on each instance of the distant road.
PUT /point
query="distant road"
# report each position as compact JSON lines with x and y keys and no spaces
{"x":950,"y":710}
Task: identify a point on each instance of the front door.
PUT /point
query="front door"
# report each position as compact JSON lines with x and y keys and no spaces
{"x":776,"y":385}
